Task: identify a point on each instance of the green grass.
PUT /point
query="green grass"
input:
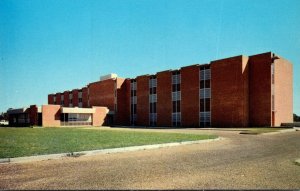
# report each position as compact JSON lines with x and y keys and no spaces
{"x":17,"y":142}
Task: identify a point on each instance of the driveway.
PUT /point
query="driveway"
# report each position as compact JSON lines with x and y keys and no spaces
{"x":236,"y":162}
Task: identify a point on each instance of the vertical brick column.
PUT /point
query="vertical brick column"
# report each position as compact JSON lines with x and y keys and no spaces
{"x":229,"y":94}
{"x":58,"y":98}
{"x":75,"y":97}
{"x":164,"y":98}
{"x":143,"y":100}
{"x":66,"y":98}
{"x":123,"y":104}
{"x":190,"y":96}
{"x":84,"y":97}
{"x":50,"y":99}
{"x":260,"y":89}
{"x":33,"y":115}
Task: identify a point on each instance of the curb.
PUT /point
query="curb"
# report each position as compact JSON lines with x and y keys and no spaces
{"x":280,"y":131}
{"x":101,"y":151}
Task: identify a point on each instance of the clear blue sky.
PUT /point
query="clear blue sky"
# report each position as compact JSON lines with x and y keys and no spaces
{"x":51,"y":46}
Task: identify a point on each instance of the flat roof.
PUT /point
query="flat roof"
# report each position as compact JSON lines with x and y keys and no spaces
{"x":77,"y":110}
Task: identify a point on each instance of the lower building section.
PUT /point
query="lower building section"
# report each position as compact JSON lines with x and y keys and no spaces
{"x":56,"y":116}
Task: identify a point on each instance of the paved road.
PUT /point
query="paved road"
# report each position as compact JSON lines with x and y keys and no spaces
{"x":237,"y":162}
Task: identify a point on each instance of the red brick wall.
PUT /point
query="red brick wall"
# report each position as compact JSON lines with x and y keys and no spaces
{"x":50,"y":99}
{"x":283,"y":83}
{"x":33,"y":115}
{"x":229,"y":98}
{"x":51,"y":115}
{"x":99,"y":116}
{"x":164,"y":98}
{"x":190,"y":96}
{"x":142,"y":100}
{"x":58,"y":100}
{"x":123,"y":104}
{"x":260,"y":89}
{"x":66,"y":98}
{"x":84,"y":97}
{"x":102,"y":93}
{"x":75,"y":98}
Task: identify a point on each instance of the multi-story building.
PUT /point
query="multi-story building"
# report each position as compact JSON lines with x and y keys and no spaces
{"x":232,"y":92}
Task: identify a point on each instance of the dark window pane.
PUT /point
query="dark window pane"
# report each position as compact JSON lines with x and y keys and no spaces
{"x":134,"y":107}
{"x":178,"y":87}
{"x":134,"y":93}
{"x":150,"y":90}
{"x":151,"y":109}
{"x":207,"y":124}
{"x":178,"y":106}
{"x":207,"y":83}
{"x":154,"y":90}
{"x":154,"y":107}
{"x":201,"y":105}
{"x":174,"y":88}
{"x":174,"y":106}
{"x":201,"y":84}
{"x":207,"y":104}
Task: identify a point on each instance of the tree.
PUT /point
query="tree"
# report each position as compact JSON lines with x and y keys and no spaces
{"x":296,"y":118}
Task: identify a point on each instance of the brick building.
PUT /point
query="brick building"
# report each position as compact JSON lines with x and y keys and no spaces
{"x":232,"y":92}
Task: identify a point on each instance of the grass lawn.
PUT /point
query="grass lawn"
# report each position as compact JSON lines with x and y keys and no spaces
{"x":17,"y":142}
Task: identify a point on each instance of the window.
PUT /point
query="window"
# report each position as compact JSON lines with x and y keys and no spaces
{"x":176,"y":106}
{"x":204,"y":95}
{"x":152,"y":101}
{"x":176,"y":98}
{"x":152,"y":98}
{"x":133,"y":102}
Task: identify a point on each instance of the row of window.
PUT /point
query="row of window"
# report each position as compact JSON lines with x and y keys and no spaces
{"x":62,"y":102}
{"x":133,"y":100}
{"x":176,"y":118}
{"x":152,"y":100}
{"x":204,"y":95}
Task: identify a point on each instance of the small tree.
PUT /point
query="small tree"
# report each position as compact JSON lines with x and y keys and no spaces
{"x":296,"y":118}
